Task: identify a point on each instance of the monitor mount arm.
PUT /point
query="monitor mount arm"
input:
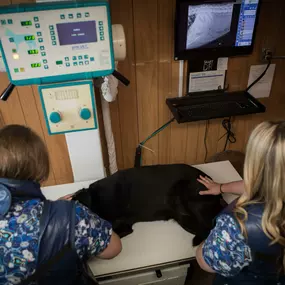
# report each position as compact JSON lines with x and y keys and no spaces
{"x":7,"y":92}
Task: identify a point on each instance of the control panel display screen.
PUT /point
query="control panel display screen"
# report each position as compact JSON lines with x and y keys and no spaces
{"x":35,"y":65}
{"x":30,"y":38}
{"x":26,"y":23}
{"x":77,"y":33}
{"x":33,"y":51}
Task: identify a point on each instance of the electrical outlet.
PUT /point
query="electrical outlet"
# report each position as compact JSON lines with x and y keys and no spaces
{"x":267,"y":54}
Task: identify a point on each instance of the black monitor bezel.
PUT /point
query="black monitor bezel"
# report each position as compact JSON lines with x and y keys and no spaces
{"x":208,"y":53}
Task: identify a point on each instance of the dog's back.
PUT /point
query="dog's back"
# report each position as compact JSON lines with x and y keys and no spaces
{"x":152,"y":193}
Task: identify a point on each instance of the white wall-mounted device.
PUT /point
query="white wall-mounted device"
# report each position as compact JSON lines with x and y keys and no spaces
{"x":69,"y":107}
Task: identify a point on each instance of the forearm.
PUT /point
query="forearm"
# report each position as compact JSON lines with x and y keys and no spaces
{"x":234,"y":187}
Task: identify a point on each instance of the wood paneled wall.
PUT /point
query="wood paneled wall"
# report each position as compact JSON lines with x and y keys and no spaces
{"x":141,"y":108}
{"x":24,"y":108}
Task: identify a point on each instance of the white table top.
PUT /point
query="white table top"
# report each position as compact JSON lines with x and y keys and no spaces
{"x":151,"y":243}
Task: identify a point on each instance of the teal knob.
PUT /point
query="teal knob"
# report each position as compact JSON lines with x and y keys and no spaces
{"x":55,"y":117}
{"x":85,"y":114}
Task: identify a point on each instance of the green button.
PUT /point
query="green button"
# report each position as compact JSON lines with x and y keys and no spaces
{"x":10,"y":21}
{"x":86,"y":56}
{"x":67,"y":64}
{"x":79,"y":15}
{"x":87,"y":14}
{"x":53,"y":38}
{"x":14,"y":50}
{"x":3,"y":22}
{"x":45,"y":61}
{"x":80,"y":62}
{"x":101,"y":28}
{"x":54,"y":43}
{"x":38,"y":26}
{"x":39,"y":34}
{"x":101,"y":33}
{"x":46,"y":66}
{"x":80,"y":57}
{"x":70,"y":16}
{"x":16,"y":70}
{"x":59,"y":62}
{"x":66,"y":58}
{"x":52,"y":33}
{"x":92,"y":59}
{"x":62,"y":17}
{"x":36,"y":19}
{"x":41,"y":40}
{"x":44,"y":54}
{"x":100,"y":23}
{"x":11,"y":40}
{"x":74,"y":58}
{"x":51,"y":27}
{"x":42,"y":47}
{"x":102,"y":38}
{"x":75,"y":63}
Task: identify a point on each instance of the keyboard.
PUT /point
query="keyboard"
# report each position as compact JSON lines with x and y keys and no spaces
{"x":211,"y":105}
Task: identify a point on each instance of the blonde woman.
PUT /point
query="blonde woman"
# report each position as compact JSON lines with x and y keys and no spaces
{"x":247,"y":244}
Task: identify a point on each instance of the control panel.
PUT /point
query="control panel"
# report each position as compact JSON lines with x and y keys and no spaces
{"x":57,"y":42}
{"x":69,"y":107}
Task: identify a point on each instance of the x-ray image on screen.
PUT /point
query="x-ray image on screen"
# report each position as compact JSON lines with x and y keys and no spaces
{"x":209,"y":25}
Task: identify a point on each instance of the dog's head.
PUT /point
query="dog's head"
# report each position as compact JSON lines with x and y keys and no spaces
{"x":83,"y":197}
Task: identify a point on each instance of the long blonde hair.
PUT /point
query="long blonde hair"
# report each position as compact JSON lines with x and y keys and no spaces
{"x":264,"y":179}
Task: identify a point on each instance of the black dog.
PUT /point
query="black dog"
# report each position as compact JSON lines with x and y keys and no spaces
{"x":153,"y":193}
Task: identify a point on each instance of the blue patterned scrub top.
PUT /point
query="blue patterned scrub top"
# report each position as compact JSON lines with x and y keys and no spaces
{"x":225,"y":250}
{"x":19,"y":236}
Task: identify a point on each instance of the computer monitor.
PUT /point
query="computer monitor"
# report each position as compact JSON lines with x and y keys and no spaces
{"x":212,"y":29}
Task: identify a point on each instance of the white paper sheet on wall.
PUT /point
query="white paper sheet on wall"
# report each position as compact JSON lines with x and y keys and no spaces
{"x":261,"y":89}
{"x":222,"y":63}
{"x":207,"y":80}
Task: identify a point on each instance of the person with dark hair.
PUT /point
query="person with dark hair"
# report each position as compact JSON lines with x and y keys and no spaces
{"x":40,"y":240}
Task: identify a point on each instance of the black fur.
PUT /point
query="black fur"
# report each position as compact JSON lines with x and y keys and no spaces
{"x":153,"y":193}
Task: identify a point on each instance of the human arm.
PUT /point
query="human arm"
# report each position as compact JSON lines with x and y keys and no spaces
{"x":214,"y":188}
{"x":113,"y":249}
{"x":225,"y":251}
{"x":94,"y":236}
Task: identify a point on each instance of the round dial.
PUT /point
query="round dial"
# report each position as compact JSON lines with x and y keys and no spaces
{"x":55,"y":117}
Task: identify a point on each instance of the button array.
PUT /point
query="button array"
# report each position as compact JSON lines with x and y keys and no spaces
{"x":52,"y":35}
{"x":80,"y":59}
{"x":101,"y":29}
{"x":73,"y":16}
{"x":5,"y":22}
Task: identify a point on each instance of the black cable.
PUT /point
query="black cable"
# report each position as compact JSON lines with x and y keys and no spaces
{"x":227,"y":125}
{"x":260,"y":77}
{"x":205,"y":140}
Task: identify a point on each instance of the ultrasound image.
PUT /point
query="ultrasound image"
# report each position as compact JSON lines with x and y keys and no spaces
{"x":207,"y":24}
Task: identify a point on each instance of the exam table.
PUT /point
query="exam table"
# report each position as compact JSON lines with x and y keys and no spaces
{"x":156,"y":252}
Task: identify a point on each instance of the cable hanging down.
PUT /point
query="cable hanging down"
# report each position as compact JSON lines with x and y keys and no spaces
{"x":138,"y":156}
